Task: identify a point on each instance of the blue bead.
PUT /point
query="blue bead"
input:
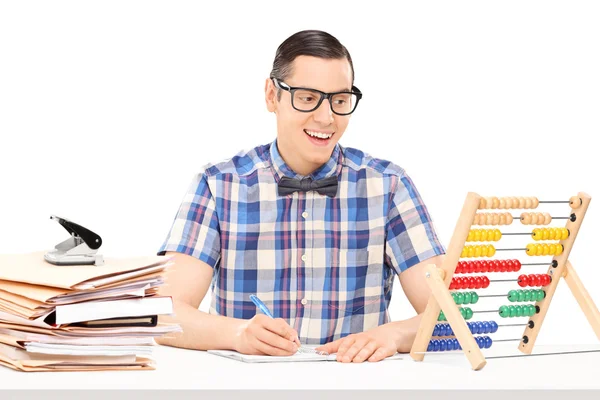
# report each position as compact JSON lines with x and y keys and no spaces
{"x":488,"y":342}
{"x":479,"y":326}
{"x":494,"y":326}
{"x":449,"y":331}
{"x":430,"y":346}
{"x":443,"y":345}
{"x":436,"y":345}
{"x":455,"y":344}
{"x":458,"y":344}
{"x":436,"y":330}
{"x":445,"y":329}
{"x":480,"y":342}
{"x":442,"y":329}
{"x":470,"y":326}
{"x":487,"y":328}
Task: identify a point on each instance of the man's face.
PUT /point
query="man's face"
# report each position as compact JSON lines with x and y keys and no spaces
{"x":292,"y":125}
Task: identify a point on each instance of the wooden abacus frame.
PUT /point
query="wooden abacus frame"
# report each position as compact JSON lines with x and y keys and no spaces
{"x":441,"y":300}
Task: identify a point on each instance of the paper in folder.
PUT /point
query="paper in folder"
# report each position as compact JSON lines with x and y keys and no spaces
{"x":81,"y":317}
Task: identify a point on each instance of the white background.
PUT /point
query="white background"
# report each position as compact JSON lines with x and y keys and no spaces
{"x":108,"y":109}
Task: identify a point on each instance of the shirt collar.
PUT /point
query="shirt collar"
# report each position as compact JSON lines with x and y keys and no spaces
{"x":333,"y":166}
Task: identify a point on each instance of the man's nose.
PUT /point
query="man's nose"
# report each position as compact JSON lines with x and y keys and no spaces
{"x":323,"y":114}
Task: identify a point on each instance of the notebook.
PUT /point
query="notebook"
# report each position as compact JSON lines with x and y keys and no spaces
{"x":307,"y":354}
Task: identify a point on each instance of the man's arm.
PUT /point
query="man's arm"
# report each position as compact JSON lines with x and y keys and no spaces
{"x":398,"y":336}
{"x":187,"y":282}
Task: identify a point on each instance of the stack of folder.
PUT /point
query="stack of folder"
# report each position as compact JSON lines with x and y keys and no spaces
{"x":83,"y":317}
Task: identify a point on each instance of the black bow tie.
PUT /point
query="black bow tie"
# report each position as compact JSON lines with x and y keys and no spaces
{"x":327,"y":186}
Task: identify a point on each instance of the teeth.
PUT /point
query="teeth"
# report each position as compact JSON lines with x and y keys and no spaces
{"x":319,"y":134}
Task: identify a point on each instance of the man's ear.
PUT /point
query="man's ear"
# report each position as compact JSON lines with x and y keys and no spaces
{"x":271,"y":96}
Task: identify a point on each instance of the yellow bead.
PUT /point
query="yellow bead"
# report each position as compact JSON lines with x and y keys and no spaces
{"x":531,"y":249}
{"x":536,"y":234}
{"x":470,"y":251}
{"x":559,"y":249}
{"x":545,"y":249}
{"x":491,"y":250}
{"x":551,"y":233}
{"x":545,"y":234}
{"x":463,"y":254}
{"x":477,"y":235}
{"x":480,"y":236}
{"x":497,"y":235}
{"x":539,"y":249}
{"x":470,"y":235}
{"x":477,"y":251}
{"x":484,"y":251}
{"x":553,"y":247}
{"x":564,"y":234}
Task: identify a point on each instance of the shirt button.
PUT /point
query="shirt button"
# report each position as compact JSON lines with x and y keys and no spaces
{"x":304,"y":214}
{"x":303,"y":257}
{"x":304,"y":302}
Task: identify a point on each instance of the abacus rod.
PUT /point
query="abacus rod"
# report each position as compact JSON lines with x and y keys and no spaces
{"x":541,"y":354}
{"x":519,"y":217}
{"x":537,"y":264}
{"x":508,"y":340}
{"x":493,"y":295}
{"x":514,"y":325}
{"x":511,"y":249}
{"x":554,"y":201}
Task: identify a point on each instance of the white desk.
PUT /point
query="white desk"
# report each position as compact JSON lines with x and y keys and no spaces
{"x":201,"y":373}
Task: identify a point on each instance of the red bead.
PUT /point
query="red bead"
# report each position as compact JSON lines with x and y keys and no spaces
{"x":478,"y":266}
{"x":485,"y":282}
{"x":452,"y":281}
{"x":471,"y":268}
{"x":503,"y":266}
{"x":523,"y":280}
{"x":496,"y":266}
{"x":463,"y":267}
{"x":509,"y":265}
{"x":517,"y":265}
{"x":457,"y":269}
{"x":457,"y":283}
{"x":547,"y":280}
{"x":535,"y":280}
{"x":485,"y":266}
{"x":471,"y":283}
{"x":478,"y":282}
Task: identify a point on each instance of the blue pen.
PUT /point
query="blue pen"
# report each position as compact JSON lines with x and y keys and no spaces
{"x":258,"y":302}
{"x":261,"y":305}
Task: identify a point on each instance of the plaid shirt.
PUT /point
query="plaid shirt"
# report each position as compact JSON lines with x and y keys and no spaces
{"x":325,"y":265}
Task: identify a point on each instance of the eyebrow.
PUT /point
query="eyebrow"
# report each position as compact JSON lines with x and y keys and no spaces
{"x":346,"y":89}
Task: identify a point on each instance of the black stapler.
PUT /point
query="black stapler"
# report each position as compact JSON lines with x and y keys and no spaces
{"x":80,"y":249}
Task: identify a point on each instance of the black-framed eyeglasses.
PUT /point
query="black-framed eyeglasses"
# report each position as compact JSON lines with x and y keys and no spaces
{"x":307,"y":100}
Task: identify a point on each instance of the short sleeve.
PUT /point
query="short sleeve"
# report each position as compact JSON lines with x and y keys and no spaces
{"x":410,"y":232}
{"x":195,"y":230}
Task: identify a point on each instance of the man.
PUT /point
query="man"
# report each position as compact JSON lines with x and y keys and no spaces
{"x":317,"y":231}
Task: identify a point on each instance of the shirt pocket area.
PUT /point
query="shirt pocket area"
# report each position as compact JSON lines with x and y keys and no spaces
{"x":355,"y":281}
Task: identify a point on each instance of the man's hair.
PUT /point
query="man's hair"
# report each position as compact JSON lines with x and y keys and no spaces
{"x":307,"y":43}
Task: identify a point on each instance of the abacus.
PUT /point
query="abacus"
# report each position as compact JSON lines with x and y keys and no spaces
{"x":446,"y":316}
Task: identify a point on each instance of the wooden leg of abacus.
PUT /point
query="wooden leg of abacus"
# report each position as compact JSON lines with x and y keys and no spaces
{"x":530,"y":334}
{"x":432,"y":311}
{"x":435,"y":279}
{"x":583,"y":298}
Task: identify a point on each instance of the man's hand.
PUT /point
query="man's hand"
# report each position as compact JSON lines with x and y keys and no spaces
{"x":373,"y":345}
{"x":262,"y":335}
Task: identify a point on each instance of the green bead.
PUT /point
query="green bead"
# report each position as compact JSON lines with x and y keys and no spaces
{"x":441,"y":317}
{"x":531,"y":310}
{"x":462,"y":312}
{"x":504,"y":311}
{"x":468,"y":313}
{"x":513,"y":295}
{"x":460,"y":298}
{"x":467,"y":298}
{"x":512,"y":311}
{"x":518,"y":311}
{"x":528,"y":294}
{"x":521,"y":295}
{"x":474,"y":298}
{"x":540,"y":295}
